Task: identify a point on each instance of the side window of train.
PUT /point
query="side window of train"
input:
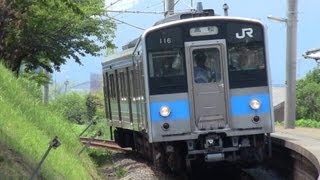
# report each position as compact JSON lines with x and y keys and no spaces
{"x":123,"y":89}
{"x":206,"y":65}
{"x":112,"y":86}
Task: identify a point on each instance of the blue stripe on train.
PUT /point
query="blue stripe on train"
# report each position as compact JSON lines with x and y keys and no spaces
{"x":179,"y":110}
{"x":240,"y":104}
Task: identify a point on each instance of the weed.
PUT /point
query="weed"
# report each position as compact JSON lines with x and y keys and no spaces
{"x":100,"y":157}
{"x":121,"y":172}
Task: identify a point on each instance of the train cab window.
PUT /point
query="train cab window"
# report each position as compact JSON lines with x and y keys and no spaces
{"x":243,"y":58}
{"x":167,"y":72}
{"x":165,"y":64}
{"x":206,"y":65}
{"x":247,"y":65}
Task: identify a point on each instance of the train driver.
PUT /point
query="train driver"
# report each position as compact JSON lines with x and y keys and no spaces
{"x":202,"y":74}
{"x":167,"y":69}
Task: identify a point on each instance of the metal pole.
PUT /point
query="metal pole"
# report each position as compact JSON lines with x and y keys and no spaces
{"x":169,"y":5}
{"x":290,"y":103}
{"x":92,"y":123}
{"x":225,"y":9}
{"x":98,"y":133}
{"x":55,"y":143}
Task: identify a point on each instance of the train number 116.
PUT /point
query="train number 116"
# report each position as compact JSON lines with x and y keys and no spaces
{"x":165,"y":41}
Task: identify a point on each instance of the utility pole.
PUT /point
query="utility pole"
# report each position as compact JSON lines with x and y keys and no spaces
{"x":169,"y":8}
{"x":45,"y":88}
{"x":46,"y":93}
{"x":290,"y":103}
{"x":66,"y":83}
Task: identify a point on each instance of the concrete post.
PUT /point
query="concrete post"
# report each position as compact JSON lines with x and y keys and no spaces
{"x":290,"y":103}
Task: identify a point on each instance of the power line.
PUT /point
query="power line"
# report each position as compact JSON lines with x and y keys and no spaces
{"x":137,"y":12}
{"x":111,"y":4}
{"x":127,"y":23}
{"x":154,"y":5}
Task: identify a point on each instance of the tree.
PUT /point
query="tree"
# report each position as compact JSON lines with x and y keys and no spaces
{"x":47,"y":33}
{"x":308,"y":96}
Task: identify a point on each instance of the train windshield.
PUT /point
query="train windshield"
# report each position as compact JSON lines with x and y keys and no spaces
{"x":242,"y":58}
{"x":247,"y":65}
{"x":167,"y":73}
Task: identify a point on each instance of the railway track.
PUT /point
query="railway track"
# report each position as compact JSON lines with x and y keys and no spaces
{"x":103,"y":143}
{"x":203,"y":172}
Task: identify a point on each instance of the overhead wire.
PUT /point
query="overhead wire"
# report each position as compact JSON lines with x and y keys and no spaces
{"x":154,"y":5}
{"x":137,"y":27}
{"x":111,"y":4}
{"x":137,"y":12}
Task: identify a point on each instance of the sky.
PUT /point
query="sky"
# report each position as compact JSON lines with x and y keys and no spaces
{"x":308,"y":37}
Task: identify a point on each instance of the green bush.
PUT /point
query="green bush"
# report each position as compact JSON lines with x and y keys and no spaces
{"x":72,"y":106}
{"x":308,"y":123}
{"x":92,"y":102}
{"x":95,"y":105}
{"x":100,"y":156}
{"x":308,"y":96}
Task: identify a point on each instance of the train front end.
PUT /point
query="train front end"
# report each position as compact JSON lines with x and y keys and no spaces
{"x":207,"y":88}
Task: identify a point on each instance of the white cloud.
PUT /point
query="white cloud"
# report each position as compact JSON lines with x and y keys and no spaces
{"x":119,"y":5}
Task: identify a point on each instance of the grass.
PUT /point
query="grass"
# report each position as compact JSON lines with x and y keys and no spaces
{"x":27,"y":126}
{"x":100,"y":156}
{"x":121,"y":172}
{"x":310,"y":123}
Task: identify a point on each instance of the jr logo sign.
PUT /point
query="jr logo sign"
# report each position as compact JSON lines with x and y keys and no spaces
{"x":245,"y":32}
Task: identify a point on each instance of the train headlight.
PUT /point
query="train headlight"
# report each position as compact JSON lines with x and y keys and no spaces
{"x":165,"y":111}
{"x":255,"y":104}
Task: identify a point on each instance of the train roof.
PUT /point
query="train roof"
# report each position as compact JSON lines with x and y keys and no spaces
{"x":186,"y":15}
{"x":125,"y":54}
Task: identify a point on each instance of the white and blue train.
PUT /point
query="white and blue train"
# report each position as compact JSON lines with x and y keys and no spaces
{"x":195,"y":87}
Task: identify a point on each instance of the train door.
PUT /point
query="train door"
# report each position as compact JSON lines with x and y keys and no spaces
{"x":206,"y":79}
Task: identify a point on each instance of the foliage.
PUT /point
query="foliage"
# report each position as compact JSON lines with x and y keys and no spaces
{"x":71,"y":105}
{"x":100,"y":156}
{"x":46,"y":33}
{"x":308,"y":123}
{"x":27,"y":127}
{"x":77,"y":107}
{"x":95,"y":105}
{"x":92,"y":102}
{"x":308,"y":96}
{"x":33,"y":89}
{"x":41,"y":78}
{"x":120,"y":172}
